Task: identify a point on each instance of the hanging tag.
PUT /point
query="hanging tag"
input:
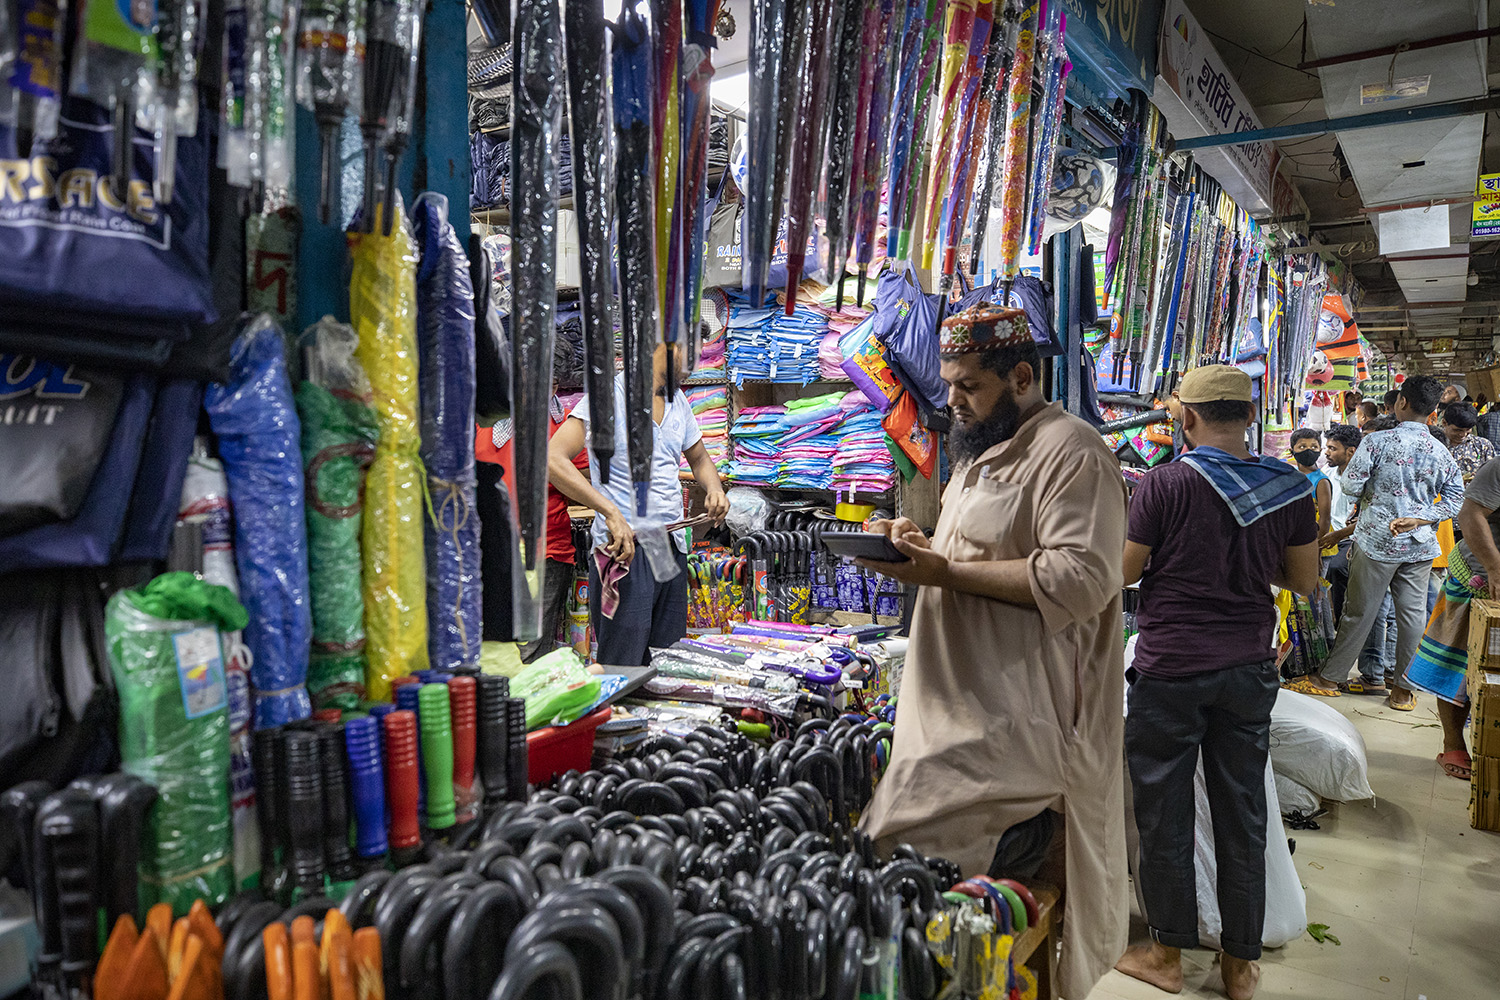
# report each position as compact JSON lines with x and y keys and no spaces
{"x":200,"y":671}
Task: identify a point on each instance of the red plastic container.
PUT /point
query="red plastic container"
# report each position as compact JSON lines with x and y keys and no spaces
{"x":552,"y":750}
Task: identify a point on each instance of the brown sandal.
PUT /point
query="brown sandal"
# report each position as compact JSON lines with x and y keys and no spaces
{"x":1457,"y":764}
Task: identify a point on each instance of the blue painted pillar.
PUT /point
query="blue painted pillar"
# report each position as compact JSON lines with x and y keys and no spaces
{"x":442,"y":143}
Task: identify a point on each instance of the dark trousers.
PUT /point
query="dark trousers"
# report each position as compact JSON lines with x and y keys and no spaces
{"x":1227,"y":715}
{"x":1336,"y":572}
{"x":555,"y":594}
{"x":651,"y":614}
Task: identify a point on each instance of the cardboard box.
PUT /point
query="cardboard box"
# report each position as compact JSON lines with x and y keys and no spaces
{"x":1485,"y":380}
{"x":1484,"y":794}
{"x":1484,"y":635}
{"x":1484,"y":712}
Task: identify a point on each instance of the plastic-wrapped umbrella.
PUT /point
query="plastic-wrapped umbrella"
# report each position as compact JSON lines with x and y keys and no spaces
{"x":767,"y":27}
{"x":927,"y":75}
{"x":386,"y":58}
{"x":992,"y":136}
{"x":876,"y":134}
{"x":973,"y":113}
{"x":536,"y":122}
{"x":445,"y":337}
{"x":635,"y":218}
{"x":869,"y":49}
{"x":794,"y":46}
{"x":591,"y":125}
{"x":807,"y":151}
{"x":960,"y":43}
{"x":1017,"y":130}
{"x":666,"y":23}
{"x":323,"y":65}
{"x":1132,"y":151}
{"x":903,"y":109}
{"x":403,"y":110}
{"x":841,"y":126}
{"x":1048,"y":126}
{"x":697,"y":74}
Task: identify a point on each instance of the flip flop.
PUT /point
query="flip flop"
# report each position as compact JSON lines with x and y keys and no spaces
{"x":1456,"y":764}
{"x":1360,"y":687}
{"x":1406,"y":706}
{"x":1304,"y":686}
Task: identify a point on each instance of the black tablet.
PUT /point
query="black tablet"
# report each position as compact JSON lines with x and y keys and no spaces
{"x":863,"y":545}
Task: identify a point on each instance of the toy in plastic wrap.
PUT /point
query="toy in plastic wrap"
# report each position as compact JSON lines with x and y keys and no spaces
{"x":445,"y":335}
{"x":558,"y":688}
{"x":168,"y":664}
{"x":256,"y":423}
{"x":382,"y":304}
{"x":338,"y":441}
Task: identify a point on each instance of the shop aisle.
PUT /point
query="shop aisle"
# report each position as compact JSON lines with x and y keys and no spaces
{"x":1404,"y":883}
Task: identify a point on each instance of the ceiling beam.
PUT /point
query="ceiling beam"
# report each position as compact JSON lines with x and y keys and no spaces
{"x":1375,"y":119}
{"x":1390,"y":50}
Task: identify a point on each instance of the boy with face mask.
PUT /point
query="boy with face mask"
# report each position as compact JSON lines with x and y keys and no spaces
{"x":1307,"y":446}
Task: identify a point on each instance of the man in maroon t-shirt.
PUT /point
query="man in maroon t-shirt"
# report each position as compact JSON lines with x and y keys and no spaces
{"x":560,"y":552}
{"x":1207,"y":537}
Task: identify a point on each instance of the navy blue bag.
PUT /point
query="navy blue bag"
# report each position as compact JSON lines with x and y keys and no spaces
{"x":73,"y":256}
{"x":158,"y":482}
{"x":91,"y":537}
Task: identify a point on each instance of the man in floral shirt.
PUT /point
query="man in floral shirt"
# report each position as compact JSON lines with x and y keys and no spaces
{"x":1407,"y":483}
{"x":1469,"y":450}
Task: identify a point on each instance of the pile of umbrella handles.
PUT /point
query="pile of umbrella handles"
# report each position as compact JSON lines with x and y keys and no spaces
{"x":562,"y":899}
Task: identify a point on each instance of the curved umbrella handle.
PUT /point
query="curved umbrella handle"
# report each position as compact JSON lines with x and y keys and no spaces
{"x":547,"y":963}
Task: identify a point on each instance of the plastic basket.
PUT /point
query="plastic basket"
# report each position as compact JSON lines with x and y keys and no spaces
{"x":552,"y":750}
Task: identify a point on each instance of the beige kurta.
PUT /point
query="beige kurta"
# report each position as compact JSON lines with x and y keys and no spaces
{"x":1006,"y":711}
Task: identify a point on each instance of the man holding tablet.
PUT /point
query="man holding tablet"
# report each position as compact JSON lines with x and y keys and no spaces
{"x":1009,"y":731}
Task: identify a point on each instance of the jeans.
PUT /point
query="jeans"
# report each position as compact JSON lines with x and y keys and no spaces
{"x":1369,"y":580}
{"x":1225,"y":714}
{"x":1377,"y":661}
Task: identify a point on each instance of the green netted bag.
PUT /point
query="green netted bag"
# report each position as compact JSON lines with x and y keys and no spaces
{"x":168,"y":664}
{"x":338,"y":440}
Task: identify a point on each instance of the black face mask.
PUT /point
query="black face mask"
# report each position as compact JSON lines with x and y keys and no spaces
{"x":1306,"y":459}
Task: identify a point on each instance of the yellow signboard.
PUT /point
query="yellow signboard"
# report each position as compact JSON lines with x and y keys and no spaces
{"x":1487,"y":206}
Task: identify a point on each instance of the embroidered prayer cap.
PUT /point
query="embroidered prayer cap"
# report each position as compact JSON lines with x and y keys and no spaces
{"x":1211,"y":383}
{"x":982,"y":328}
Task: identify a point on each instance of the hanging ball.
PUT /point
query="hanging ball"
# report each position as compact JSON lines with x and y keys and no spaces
{"x":739,"y":164}
{"x":1077,"y":186}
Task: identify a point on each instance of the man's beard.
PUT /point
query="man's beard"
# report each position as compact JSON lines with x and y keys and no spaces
{"x":968,"y":440}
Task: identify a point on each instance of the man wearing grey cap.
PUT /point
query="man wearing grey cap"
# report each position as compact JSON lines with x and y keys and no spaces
{"x":1209,"y":534}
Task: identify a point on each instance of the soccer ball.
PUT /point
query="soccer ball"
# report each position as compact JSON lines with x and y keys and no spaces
{"x":1077,"y":186}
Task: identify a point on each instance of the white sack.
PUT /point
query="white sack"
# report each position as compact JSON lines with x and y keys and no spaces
{"x":1295,"y":797}
{"x":1314,"y":745}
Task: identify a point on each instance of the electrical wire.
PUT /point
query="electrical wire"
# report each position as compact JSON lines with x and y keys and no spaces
{"x":1262,"y":55}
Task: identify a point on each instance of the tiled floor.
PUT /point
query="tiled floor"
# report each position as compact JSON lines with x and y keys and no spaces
{"x":1411,"y":891}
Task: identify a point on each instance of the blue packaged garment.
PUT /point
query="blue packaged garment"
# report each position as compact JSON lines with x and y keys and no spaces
{"x":92,"y":536}
{"x":904,"y":323}
{"x":70,"y":249}
{"x":255,"y":419}
{"x":445,"y":341}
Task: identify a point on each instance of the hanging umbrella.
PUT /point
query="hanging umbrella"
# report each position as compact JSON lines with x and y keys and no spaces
{"x":1048,"y":126}
{"x":635,"y":214}
{"x":767,"y":28}
{"x":323,"y":67}
{"x":841,"y":127}
{"x":992,"y":136}
{"x":973,"y":113}
{"x":807,"y":152}
{"x":927,"y":78}
{"x":877,"y":134}
{"x":1017,"y":130}
{"x":590,"y":128}
{"x":697,"y":74}
{"x":878,"y":14}
{"x":903,"y":109}
{"x":385,"y":58}
{"x":536,"y":122}
{"x":962,"y":23}
{"x":666,"y":20}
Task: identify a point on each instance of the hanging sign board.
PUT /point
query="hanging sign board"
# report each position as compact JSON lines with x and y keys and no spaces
{"x":1199,"y":96}
{"x":1486,"y":220}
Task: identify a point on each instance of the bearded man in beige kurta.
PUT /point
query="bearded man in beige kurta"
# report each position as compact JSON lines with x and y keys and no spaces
{"x":1011,"y":701}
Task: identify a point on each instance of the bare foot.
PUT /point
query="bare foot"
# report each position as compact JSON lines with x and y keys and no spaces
{"x":1155,"y":964}
{"x":1240,"y":977}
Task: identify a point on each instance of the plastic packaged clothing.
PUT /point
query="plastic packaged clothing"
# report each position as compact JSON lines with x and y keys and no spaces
{"x":382,"y":305}
{"x":445,"y":335}
{"x":557,"y":687}
{"x":338,"y":441}
{"x":158,"y":481}
{"x":168,"y":663}
{"x":255,"y":420}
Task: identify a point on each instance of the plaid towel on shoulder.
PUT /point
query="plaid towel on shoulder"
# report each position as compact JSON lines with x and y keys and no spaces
{"x":1252,"y":487}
